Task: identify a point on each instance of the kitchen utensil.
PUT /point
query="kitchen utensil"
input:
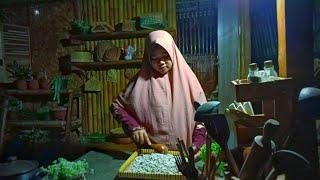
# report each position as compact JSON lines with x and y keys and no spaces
{"x":160,"y":148}
{"x":292,"y":164}
{"x":261,"y":150}
{"x":186,"y":167}
{"x":15,"y":169}
{"x":218,"y":129}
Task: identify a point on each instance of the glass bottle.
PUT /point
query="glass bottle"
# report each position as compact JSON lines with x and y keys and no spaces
{"x":253,"y":75}
{"x":269,"y":73}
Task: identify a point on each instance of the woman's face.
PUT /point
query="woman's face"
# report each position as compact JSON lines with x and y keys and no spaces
{"x":160,"y":60}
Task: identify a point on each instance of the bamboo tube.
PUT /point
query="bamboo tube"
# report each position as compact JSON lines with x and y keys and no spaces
{"x":98,"y":95}
{"x":138,"y":8}
{"x":160,"y":6}
{"x":101,"y":104}
{"x":107,"y":12}
{"x":174,"y":15}
{"x":116,"y":12}
{"x":122,"y":79}
{"x":106,"y":100}
{"x":144,"y":6}
{"x":84,"y":115}
{"x":111,"y":12}
{"x":103,"y":11}
{"x":90,"y":119}
{"x":109,"y":102}
{"x":118,"y":88}
{"x":153,"y":6}
{"x":94,"y":108}
{"x":89,"y":12}
{"x":121,"y":10}
{"x":97,"y":10}
{"x":149,"y":3}
{"x":87,"y":19}
{"x":134,"y":8}
{"x":165,"y":9}
{"x":114,"y":91}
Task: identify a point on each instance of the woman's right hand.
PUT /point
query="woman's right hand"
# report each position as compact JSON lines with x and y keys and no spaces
{"x":140,"y":136}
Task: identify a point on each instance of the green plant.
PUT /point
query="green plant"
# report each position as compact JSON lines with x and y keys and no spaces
{"x":43,"y":109}
{"x":58,"y":84}
{"x":19,"y":72}
{"x":35,"y":136}
{"x":14,"y":105}
{"x":215,"y":149}
{"x":63,"y":169}
{"x":80,"y":26}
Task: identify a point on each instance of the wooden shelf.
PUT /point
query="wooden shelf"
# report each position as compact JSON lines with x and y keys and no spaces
{"x":71,"y":42}
{"x":66,"y":65}
{"x":38,"y":95}
{"x":117,"y":35}
{"x":43,"y":124}
{"x":108,"y":65}
{"x":266,"y":90}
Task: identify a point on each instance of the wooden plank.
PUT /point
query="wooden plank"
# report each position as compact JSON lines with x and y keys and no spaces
{"x":108,"y":65}
{"x":261,"y":91}
{"x":43,"y":124}
{"x":115,"y":35}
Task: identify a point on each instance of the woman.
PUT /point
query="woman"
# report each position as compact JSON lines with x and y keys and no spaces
{"x":157,"y":105}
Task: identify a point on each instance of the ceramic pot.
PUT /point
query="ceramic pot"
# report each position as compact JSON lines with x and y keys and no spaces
{"x":12,"y":115}
{"x":44,"y":84}
{"x":21,"y":84}
{"x":33,"y":84}
{"x":60,"y":113}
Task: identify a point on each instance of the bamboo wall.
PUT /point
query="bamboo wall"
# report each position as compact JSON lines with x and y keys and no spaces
{"x":97,"y":117}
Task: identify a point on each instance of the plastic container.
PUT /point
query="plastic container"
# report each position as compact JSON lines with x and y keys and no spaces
{"x":253,"y":75}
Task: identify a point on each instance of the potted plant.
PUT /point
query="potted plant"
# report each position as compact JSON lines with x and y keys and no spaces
{"x":44,"y":83}
{"x":43,"y":112}
{"x":21,"y":74}
{"x":35,"y":136}
{"x":33,"y":83}
{"x":14,"y":106}
{"x":59,"y":83}
{"x":59,"y":113}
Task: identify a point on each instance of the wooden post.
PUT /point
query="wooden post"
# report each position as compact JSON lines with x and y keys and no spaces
{"x":295,"y":40}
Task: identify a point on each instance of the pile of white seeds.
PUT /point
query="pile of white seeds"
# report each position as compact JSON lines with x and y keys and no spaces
{"x":154,"y":163}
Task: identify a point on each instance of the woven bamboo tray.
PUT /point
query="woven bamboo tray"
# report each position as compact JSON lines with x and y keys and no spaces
{"x":123,"y":174}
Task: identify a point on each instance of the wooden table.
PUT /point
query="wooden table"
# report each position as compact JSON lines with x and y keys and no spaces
{"x":276,"y":98}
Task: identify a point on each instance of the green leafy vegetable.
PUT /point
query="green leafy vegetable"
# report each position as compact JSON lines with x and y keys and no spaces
{"x":63,"y":169}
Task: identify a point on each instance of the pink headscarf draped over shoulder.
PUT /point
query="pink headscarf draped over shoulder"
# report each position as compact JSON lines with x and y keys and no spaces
{"x":164,"y":105}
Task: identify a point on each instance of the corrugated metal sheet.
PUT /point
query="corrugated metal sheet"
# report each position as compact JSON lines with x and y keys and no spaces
{"x":264,"y":35}
{"x":97,"y":117}
{"x":197,"y":39}
{"x":197,"y":26}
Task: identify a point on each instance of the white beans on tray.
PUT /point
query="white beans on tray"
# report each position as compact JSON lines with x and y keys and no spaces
{"x":154,"y":163}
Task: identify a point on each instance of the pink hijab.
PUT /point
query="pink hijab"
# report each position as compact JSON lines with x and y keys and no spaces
{"x":164,"y":105}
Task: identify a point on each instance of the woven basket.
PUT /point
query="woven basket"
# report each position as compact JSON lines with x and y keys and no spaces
{"x":152,"y":21}
{"x":106,"y":51}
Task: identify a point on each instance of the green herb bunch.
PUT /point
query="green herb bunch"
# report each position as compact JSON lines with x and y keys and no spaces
{"x":14,"y":105}
{"x":19,"y":72}
{"x":215,"y":149}
{"x":35,"y":136}
{"x":63,"y":169}
{"x":80,"y":26}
